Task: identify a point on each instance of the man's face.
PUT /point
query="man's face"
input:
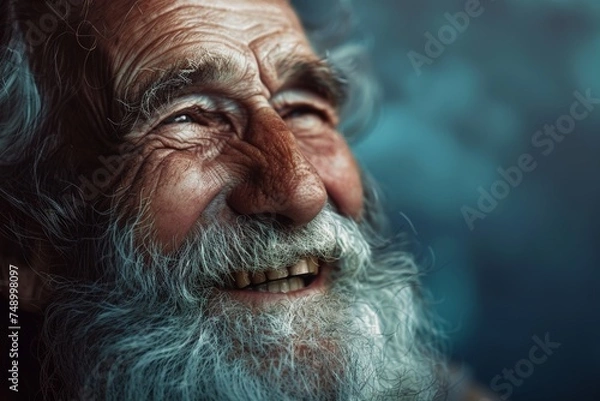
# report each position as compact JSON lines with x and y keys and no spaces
{"x":234,"y":264}
{"x":252,"y":131}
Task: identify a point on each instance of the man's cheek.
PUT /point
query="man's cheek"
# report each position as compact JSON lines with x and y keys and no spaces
{"x":340,"y":174}
{"x":177,"y":192}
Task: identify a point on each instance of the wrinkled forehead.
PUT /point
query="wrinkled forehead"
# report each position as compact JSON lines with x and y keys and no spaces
{"x":122,"y":16}
{"x":143,"y":35}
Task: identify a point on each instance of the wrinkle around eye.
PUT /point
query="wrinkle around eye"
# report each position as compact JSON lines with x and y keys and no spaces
{"x":204,"y":146}
{"x":193,"y":128}
{"x":200,"y":116}
{"x":196,"y":108}
{"x":307,"y":123}
{"x":300,"y":105}
{"x":305,"y":120}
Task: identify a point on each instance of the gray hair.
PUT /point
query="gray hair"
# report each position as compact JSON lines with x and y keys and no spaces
{"x":334,"y":31}
{"x":20,"y":103}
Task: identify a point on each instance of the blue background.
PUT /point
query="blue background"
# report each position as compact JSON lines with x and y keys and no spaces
{"x":530,"y":268}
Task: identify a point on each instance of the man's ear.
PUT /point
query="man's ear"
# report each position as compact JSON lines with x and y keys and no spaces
{"x":23,"y":273}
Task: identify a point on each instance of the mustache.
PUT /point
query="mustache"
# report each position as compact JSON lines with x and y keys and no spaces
{"x":211,"y":254}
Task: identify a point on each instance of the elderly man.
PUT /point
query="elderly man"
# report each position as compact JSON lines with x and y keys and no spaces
{"x":179,"y":206}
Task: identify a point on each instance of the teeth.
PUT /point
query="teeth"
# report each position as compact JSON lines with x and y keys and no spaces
{"x":274,"y":280}
{"x":313,"y":266}
{"x":299,"y":268}
{"x":282,"y":286}
{"x":258,"y":278}
{"x":242,"y":279}
{"x":295,"y":283}
{"x":278,"y":274}
{"x":262,"y":288}
{"x":279,"y":286}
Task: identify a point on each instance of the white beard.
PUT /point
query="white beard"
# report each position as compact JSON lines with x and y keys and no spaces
{"x":155,"y":328}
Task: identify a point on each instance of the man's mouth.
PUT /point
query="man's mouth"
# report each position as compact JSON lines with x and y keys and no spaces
{"x":282,"y":280}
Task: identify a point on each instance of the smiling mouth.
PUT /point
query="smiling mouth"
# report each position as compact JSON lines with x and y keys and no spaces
{"x":277,"y":281}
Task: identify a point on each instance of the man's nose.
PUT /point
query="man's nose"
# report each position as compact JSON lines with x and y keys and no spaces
{"x":280,"y":181}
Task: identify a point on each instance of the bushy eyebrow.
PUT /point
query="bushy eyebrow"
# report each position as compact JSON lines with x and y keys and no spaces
{"x":316,"y":76}
{"x":163,"y":86}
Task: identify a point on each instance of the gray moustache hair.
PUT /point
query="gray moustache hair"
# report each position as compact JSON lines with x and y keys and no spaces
{"x":210,"y":254}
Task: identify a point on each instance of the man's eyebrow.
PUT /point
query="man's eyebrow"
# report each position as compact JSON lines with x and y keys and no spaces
{"x":160,"y":87}
{"x":317,"y":76}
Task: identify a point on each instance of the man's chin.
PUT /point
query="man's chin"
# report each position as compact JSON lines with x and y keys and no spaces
{"x":297,"y":345}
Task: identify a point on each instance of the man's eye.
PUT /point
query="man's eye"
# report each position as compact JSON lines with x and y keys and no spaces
{"x":304,"y":111}
{"x":179,"y":119}
{"x":199,"y":119}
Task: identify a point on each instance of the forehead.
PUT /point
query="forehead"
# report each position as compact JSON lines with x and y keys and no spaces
{"x":146,"y":36}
